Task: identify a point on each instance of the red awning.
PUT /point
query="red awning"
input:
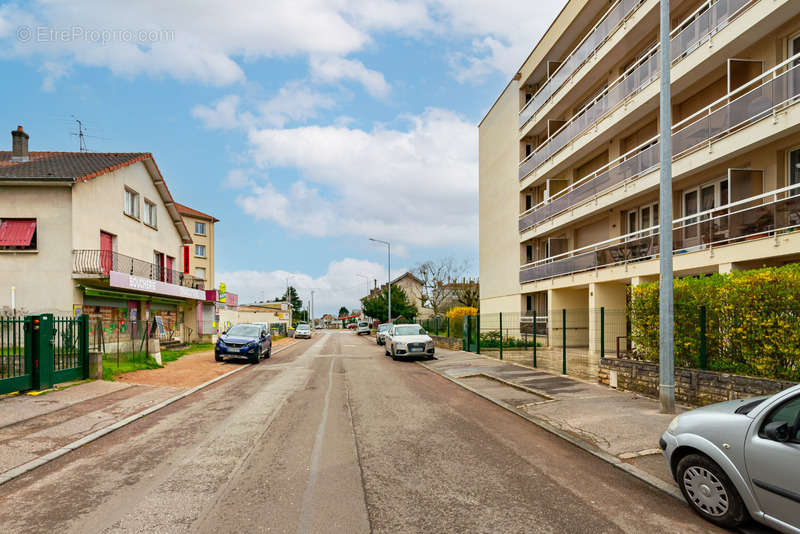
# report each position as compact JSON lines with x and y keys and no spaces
{"x":17,"y":232}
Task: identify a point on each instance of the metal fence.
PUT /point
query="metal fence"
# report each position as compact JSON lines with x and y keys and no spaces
{"x":122,"y":340}
{"x":103,"y":261}
{"x":12,"y":347}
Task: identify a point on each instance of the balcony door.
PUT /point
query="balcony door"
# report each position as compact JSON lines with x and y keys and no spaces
{"x":794,"y":77}
{"x":158,"y":263}
{"x":702,"y":200}
{"x":170,"y":267}
{"x":106,"y":252}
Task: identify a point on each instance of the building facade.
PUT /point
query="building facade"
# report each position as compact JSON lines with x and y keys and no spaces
{"x":198,"y":257}
{"x":569,"y":154}
{"x":95,"y":233}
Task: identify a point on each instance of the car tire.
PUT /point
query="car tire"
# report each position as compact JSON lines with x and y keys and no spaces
{"x":393,"y":355}
{"x":218,"y":358}
{"x":268,"y":354}
{"x":709,"y":491}
{"x":255,"y":359}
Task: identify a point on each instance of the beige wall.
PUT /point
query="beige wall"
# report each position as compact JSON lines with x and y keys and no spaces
{"x":43,"y":279}
{"x":98,"y":205}
{"x":498,"y":188}
{"x":206,"y":263}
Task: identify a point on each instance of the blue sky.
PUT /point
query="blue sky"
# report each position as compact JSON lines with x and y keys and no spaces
{"x":305,"y":125}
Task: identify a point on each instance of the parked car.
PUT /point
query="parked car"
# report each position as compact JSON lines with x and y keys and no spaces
{"x":362,"y":328}
{"x":408,"y":340}
{"x":740,"y":458}
{"x":244,"y":341}
{"x":302,"y":330}
{"x":382,"y":329}
{"x":351,"y":326}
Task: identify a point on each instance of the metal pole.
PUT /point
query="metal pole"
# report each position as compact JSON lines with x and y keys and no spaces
{"x":534,"y":338}
{"x":703,"y":349}
{"x":389,"y":261}
{"x":501,"y":335}
{"x":563,"y":341}
{"x":602,"y":331}
{"x":666,"y":355}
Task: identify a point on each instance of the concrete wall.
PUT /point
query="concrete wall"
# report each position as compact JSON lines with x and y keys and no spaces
{"x":43,"y":278}
{"x":692,"y":386}
{"x":499,"y":200}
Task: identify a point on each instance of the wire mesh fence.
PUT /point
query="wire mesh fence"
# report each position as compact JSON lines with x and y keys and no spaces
{"x":122,"y":341}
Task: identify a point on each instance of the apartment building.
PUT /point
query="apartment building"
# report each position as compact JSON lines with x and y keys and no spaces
{"x":569,"y":154}
{"x":198,"y":258}
{"x":95,"y":233}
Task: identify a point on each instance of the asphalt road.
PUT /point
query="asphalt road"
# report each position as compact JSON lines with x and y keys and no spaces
{"x":332,"y":436}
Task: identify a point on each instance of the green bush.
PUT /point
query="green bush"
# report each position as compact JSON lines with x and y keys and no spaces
{"x":752,"y":328}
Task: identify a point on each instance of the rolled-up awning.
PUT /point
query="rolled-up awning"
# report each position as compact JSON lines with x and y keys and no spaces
{"x":16,"y":232}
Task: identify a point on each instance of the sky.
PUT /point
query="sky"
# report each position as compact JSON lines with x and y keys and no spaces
{"x":305,"y":126}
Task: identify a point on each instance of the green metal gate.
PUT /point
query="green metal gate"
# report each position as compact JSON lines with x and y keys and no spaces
{"x":16,"y":362}
{"x":472,"y":328}
{"x":42,"y":350}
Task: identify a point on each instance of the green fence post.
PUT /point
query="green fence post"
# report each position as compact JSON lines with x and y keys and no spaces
{"x":478,"y":333}
{"x":501,"y":335}
{"x":563,"y":341}
{"x":83,"y":343}
{"x":465,"y":334}
{"x":448,"y":327}
{"x":703,"y":350}
{"x":43,"y":351}
{"x":534,"y":339}
{"x":602,"y":331}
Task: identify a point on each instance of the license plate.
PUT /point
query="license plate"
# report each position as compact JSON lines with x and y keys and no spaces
{"x":233,"y":349}
{"x":414,"y":350}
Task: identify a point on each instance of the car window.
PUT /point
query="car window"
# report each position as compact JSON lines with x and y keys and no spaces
{"x":786,"y":413}
{"x":246,"y":330}
{"x":409,"y":330}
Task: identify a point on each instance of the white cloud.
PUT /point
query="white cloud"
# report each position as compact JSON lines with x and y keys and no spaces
{"x":339,"y":286}
{"x":416,"y":186}
{"x":333,"y":69}
{"x":223,"y":116}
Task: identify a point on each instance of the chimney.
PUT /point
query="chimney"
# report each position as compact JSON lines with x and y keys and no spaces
{"x":375,"y":281}
{"x":19,"y":145}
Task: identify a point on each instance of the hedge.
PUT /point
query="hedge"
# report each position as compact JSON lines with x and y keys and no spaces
{"x":753,"y":321}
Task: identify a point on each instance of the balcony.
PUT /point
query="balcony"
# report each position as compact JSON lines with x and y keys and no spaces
{"x":101,"y":262}
{"x":585,"y":49}
{"x":766,"y":215}
{"x":686,"y":37}
{"x":753,"y":101}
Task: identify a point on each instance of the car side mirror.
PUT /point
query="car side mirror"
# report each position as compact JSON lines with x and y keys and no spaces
{"x":777,"y":431}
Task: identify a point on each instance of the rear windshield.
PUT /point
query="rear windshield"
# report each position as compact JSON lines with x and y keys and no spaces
{"x":384,"y":327}
{"x":363,"y":324}
{"x":409,"y":330}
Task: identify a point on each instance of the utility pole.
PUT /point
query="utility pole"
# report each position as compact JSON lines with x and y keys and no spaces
{"x":312,"y":308}
{"x":666,"y":340}
{"x":389,"y":266}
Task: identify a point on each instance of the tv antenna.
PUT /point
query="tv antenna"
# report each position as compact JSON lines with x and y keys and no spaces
{"x":81,"y":135}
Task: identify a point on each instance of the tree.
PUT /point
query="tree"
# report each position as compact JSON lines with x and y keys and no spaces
{"x":343,"y":312}
{"x":436,"y":277}
{"x":377,"y":306}
{"x":468,"y":293}
{"x":294,"y":300}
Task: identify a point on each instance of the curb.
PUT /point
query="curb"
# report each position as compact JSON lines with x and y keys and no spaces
{"x":645,"y":477}
{"x":49,"y":457}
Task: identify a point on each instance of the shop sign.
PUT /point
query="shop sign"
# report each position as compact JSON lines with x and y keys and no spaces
{"x":137,"y":283}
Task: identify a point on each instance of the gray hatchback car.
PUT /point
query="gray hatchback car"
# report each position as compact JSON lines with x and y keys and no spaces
{"x":740,"y":458}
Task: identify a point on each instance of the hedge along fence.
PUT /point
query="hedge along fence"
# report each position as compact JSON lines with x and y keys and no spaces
{"x":752,"y":321}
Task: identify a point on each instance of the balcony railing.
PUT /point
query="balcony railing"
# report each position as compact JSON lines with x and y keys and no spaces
{"x":585,"y":49}
{"x":754,"y":100}
{"x":101,"y":262}
{"x":690,"y":34}
{"x":752,"y":218}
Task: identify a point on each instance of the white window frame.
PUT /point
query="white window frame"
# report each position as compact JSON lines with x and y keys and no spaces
{"x":135,"y":203}
{"x":789,"y":167}
{"x":716,"y":183}
{"x":196,"y":247}
{"x":150,"y":216}
{"x":204,"y":232}
{"x":200,"y":269}
{"x":743,"y":60}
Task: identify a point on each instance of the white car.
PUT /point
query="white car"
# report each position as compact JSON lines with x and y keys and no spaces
{"x":362,"y":328}
{"x":302,"y":330}
{"x":408,"y":340}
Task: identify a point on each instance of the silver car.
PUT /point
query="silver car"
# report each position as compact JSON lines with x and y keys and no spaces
{"x":383,"y":329}
{"x":740,"y":458}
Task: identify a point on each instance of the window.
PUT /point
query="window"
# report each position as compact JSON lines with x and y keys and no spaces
{"x":789,"y":413}
{"x":200,"y":272}
{"x":528,"y":202}
{"x":17,"y":234}
{"x":158,"y":261}
{"x":528,"y":253}
{"x":794,"y":171}
{"x":528,"y":303}
{"x":132,"y":203}
{"x":200,"y":228}
{"x":150,"y":217}
{"x":200,"y":251}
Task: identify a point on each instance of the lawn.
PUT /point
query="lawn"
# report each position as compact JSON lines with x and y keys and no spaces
{"x":129,"y":362}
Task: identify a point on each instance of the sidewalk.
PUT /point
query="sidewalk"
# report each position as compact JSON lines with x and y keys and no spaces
{"x":34,"y":426}
{"x":620,"y":427}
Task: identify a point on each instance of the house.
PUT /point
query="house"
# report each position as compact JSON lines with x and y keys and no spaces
{"x":569,"y":156}
{"x":277,"y":314}
{"x":93,"y":232}
{"x":198,"y":257}
{"x":412,"y":286}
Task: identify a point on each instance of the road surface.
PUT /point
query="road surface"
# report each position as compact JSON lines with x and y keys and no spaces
{"x":332,"y":436}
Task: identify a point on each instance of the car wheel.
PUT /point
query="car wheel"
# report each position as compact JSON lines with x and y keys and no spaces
{"x":709,"y":491}
{"x":218,"y":358}
{"x":268,"y":354}
{"x":394,"y":356}
{"x":255,"y":359}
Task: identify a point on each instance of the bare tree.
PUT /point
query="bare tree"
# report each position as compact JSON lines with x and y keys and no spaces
{"x":468,"y":293}
{"x":437,"y":277}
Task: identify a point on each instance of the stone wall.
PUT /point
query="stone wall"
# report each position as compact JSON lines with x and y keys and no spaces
{"x":692,"y":386}
{"x":450,"y":343}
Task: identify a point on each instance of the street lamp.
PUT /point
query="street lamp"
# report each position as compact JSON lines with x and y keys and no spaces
{"x":389,"y":268}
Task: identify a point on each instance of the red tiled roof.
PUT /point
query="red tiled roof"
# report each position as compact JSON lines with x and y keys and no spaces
{"x":79,"y":166}
{"x":186,"y":210}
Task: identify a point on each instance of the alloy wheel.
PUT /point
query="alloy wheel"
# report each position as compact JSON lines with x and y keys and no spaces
{"x":706,"y":491}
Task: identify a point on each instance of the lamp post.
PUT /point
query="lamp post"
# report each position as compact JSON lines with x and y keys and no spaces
{"x":389,"y":269}
{"x":666,"y":355}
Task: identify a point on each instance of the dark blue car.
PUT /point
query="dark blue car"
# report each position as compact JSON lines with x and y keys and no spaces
{"x":248,"y":341}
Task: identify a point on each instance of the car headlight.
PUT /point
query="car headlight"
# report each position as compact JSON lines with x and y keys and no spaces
{"x":673,"y":425}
